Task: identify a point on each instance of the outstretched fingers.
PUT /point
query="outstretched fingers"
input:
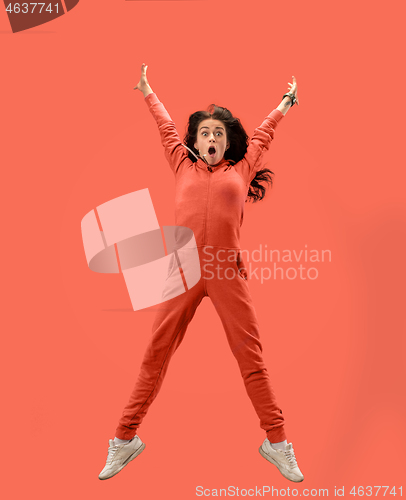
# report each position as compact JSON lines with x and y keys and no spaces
{"x":293,"y":88}
{"x":143,"y":79}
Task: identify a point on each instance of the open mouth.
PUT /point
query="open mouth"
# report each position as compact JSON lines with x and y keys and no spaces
{"x":212,"y":151}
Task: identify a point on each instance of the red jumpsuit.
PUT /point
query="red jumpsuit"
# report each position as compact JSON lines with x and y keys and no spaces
{"x":211,"y":203}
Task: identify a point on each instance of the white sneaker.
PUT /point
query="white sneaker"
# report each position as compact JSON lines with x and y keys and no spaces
{"x":285,"y":460}
{"x":119,"y":455}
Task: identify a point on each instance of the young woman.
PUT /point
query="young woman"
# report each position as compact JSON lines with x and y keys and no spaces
{"x":216,"y":170}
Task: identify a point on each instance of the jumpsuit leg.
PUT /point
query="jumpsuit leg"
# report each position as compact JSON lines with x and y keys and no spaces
{"x":168,"y":330}
{"x":233,"y":303}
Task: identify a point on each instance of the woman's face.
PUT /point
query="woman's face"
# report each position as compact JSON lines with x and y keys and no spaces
{"x":211,"y":140}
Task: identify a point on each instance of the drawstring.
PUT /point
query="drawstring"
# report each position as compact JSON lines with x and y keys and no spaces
{"x":204,"y":159}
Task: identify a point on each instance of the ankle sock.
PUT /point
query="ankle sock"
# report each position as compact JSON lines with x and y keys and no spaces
{"x":121,"y":441}
{"x":279,"y":446}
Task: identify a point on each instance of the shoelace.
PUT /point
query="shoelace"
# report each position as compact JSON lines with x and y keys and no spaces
{"x":290,"y":456}
{"x":111,"y":453}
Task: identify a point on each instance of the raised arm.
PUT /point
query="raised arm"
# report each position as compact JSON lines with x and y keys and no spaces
{"x":174,"y":151}
{"x":264,"y":134}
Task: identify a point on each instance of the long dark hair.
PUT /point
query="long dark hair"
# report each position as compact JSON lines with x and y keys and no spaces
{"x":238,"y":139}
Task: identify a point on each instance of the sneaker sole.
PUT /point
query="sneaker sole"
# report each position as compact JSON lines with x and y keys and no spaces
{"x":131,"y":457}
{"x":269,"y":458}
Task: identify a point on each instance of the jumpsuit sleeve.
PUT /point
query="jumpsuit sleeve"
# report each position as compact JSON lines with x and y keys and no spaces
{"x":175,"y":153}
{"x":259,"y":144}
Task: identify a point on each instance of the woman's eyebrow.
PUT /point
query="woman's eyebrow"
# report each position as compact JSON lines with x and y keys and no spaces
{"x":214,"y":127}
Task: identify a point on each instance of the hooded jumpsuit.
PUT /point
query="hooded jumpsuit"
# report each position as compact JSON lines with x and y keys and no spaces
{"x":210,"y":201}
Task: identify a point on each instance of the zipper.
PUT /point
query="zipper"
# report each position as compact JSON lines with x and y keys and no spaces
{"x":209,"y":169}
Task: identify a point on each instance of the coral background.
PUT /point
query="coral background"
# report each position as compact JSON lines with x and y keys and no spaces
{"x":75,"y":134}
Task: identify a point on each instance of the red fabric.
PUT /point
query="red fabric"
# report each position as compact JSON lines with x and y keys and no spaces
{"x":212,"y":205}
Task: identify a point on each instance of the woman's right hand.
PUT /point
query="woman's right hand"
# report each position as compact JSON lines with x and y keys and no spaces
{"x":293,"y":89}
{"x":143,"y":84}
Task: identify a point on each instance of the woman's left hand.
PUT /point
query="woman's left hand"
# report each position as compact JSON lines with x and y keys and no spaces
{"x":293,"y":88}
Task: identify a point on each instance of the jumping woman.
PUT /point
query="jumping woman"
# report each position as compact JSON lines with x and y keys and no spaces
{"x":216,"y":170}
